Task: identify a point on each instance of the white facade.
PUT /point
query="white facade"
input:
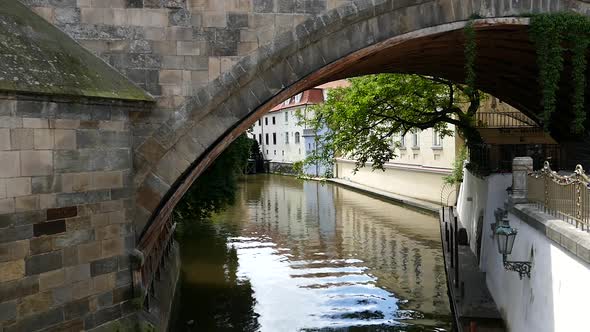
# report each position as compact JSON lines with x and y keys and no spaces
{"x":553,"y":299}
{"x":424,"y":159}
{"x":280,"y":135}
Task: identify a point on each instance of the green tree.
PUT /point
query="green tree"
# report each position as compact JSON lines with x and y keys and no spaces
{"x":216,"y":187}
{"x":363,"y":120}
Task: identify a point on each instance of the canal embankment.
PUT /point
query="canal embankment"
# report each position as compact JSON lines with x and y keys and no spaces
{"x":397,"y":198}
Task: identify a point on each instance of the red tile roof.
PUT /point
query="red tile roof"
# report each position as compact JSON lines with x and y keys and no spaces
{"x":311,"y":96}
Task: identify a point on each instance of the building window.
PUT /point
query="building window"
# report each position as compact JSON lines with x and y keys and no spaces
{"x":274,"y":121}
{"x":436,"y":139}
{"x":275,"y":152}
{"x":267,"y":152}
{"x":259,"y":138}
{"x":259,"y":122}
{"x":286,"y":137}
{"x":286,"y":116}
{"x":266,"y":121}
{"x":309,"y":146}
{"x":266,"y":139}
{"x":402,"y":142}
{"x":283,"y":151}
{"x":298,"y":97}
{"x":415,"y":140}
{"x":297,"y":138}
{"x":274,"y":138}
{"x":287,"y":102}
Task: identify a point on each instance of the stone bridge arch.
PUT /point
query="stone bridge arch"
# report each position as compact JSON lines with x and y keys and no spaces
{"x":362,"y":37}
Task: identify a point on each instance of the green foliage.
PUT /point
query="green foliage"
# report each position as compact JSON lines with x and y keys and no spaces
{"x":365,"y":120}
{"x":457,"y":174}
{"x":216,"y":187}
{"x":555,"y":35}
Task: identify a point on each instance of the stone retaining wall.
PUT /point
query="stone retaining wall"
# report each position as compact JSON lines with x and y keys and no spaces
{"x":66,"y":208}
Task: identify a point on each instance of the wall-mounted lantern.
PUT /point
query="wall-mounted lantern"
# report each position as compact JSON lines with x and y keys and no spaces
{"x":505,"y":236}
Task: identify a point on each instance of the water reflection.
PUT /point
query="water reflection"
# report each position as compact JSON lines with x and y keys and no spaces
{"x":314,"y":257}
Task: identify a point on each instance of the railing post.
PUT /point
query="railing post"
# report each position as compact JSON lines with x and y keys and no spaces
{"x":521,"y":166}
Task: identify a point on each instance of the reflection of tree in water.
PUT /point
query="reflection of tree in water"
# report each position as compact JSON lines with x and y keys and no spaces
{"x":212,"y":298}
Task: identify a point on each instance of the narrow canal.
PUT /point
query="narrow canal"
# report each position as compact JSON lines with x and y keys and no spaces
{"x":295,"y":255}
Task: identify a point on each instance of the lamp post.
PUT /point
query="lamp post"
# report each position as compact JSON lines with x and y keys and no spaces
{"x":505,"y":236}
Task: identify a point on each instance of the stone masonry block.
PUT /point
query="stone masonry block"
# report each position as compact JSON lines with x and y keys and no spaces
{"x":88,"y":252}
{"x":34,"y":304}
{"x":14,"y":250}
{"x":113,"y":247}
{"x":21,"y":139}
{"x":38,"y":321}
{"x":26,"y":203}
{"x":104,"y":180}
{"x":65,"y":139}
{"x":77,"y":273}
{"x":103,"y":266}
{"x":74,"y":238}
{"x":103,"y":283}
{"x":9,"y":164}
{"x":41,"y":245}
{"x":7,"y":311}
{"x":4,"y":139}
{"x":37,"y":264}
{"x":18,"y":186}
{"x":36,"y":163}
{"x":19,"y":288}
{"x":49,"y":228}
{"x":35,"y":123}
{"x":43,"y":139}
{"x":77,"y":309}
{"x":12,"y":270}
{"x":16,"y":233}
{"x":51,"y":279}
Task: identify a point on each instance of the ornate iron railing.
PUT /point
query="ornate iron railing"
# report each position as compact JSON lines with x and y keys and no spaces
{"x":564,"y":196}
{"x":150,"y":255}
{"x":503,"y":120}
{"x":497,"y":158}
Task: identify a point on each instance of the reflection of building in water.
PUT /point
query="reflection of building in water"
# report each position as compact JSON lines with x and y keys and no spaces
{"x":400,"y":246}
{"x":314,"y":221}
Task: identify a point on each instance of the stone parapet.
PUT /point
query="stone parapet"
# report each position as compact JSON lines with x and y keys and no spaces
{"x":574,"y":240}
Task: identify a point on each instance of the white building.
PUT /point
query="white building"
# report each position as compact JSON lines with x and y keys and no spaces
{"x":424,"y":159}
{"x":282,"y":138}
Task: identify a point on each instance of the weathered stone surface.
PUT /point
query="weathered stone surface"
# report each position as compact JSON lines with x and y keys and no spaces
{"x":74,"y":238}
{"x":62,"y":213}
{"x":51,"y":279}
{"x":103,"y":266}
{"x":37,"y":264}
{"x":49,"y":228}
{"x":34,"y":304}
{"x":16,"y":233}
{"x":19,"y":288}
{"x":7,"y":311}
{"x":12,"y":270}
{"x":37,"y":322}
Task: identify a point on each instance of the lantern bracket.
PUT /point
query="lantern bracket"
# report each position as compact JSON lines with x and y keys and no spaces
{"x":523,"y":268}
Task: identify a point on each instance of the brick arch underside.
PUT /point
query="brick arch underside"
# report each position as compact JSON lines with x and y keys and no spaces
{"x":369,"y":37}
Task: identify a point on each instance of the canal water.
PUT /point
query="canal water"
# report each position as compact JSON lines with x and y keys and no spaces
{"x":294,"y":255}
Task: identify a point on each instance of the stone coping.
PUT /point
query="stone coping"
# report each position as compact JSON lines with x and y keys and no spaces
{"x":572,"y":239}
{"x":414,"y":202}
{"x":38,"y":58}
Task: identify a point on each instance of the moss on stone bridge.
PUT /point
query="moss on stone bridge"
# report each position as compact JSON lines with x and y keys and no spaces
{"x":37,"y":58}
